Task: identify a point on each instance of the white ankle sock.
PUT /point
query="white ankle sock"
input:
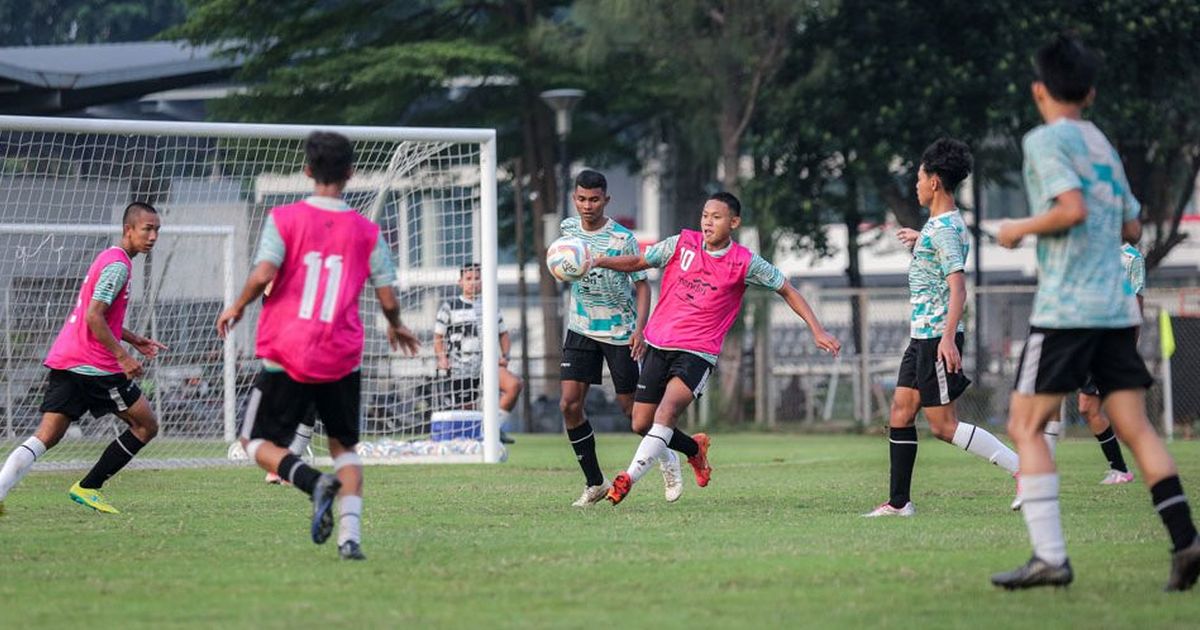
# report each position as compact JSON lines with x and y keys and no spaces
{"x":18,"y":464}
{"x":349,"y":519}
{"x":978,"y":441}
{"x":1051,"y":433}
{"x":650,"y":450}
{"x":1039,"y":496}
{"x":301,"y":440}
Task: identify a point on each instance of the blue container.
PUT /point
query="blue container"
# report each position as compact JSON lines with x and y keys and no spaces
{"x":455,"y":425}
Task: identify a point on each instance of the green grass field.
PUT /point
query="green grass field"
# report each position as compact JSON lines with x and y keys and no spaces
{"x":776,"y":540}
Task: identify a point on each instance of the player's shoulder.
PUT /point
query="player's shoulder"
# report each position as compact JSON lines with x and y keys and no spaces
{"x":615,"y":228}
{"x":569,"y":224}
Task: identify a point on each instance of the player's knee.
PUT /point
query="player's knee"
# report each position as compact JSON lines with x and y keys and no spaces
{"x":571,"y":406}
{"x":252,"y":447}
{"x":641,"y":426}
{"x":626,"y":403}
{"x":147,"y":428}
{"x":1023,"y":430}
{"x":902,"y":414}
{"x":942,"y":431}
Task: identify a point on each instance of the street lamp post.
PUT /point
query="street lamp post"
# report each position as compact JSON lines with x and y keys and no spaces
{"x":563,"y":101}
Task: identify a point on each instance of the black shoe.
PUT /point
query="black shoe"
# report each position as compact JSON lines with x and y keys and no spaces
{"x":322,"y":497}
{"x":1185,"y":568}
{"x":504,"y":439}
{"x":350,"y":550}
{"x":1036,"y":572}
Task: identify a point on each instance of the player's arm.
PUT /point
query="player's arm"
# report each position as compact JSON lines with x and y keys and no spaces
{"x":1131,"y":231}
{"x":799,"y":305}
{"x":947,"y":349}
{"x":505,"y":348}
{"x":100,"y":330}
{"x":145,"y":345}
{"x":261,"y":276}
{"x":637,"y":343}
{"x":1068,"y":211}
{"x":441,"y":323}
{"x":399,"y":336}
{"x":625,"y":264}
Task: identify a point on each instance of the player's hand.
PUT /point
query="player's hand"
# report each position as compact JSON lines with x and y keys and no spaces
{"x":948,"y":356}
{"x":637,"y":346}
{"x":130,"y":366}
{"x":228,"y":318}
{"x":503,"y":361}
{"x":401,"y":338}
{"x":1009,"y":235}
{"x":908,"y":237}
{"x":827,"y":342}
{"x":443,"y":362}
{"x":148,"y":347}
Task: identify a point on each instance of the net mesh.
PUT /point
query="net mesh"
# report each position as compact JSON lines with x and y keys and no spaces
{"x":424,"y":195}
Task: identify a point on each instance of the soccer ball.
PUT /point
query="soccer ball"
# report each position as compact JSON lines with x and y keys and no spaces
{"x":566,"y":257}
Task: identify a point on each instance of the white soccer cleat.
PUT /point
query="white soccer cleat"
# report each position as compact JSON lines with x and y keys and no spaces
{"x":672,"y":476}
{"x":1116,"y":477}
{"x":593,"y":494}
{"x":886,"y":509}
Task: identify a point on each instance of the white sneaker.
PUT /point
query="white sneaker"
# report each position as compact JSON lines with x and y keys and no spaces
{"x":1116,"y":477}
{"x":672,"y":476}
{"x":593,"y":494}
{"x":886,"y":509}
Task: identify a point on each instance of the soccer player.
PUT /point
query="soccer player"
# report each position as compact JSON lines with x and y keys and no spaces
{"x":931,"y":376}
{"x":706,"y":273}
{"x":1084,"y":317}
{"x":91,"y":371}
{"x":459,"y":348}
{"x":318,"y":253}
{"x":605,"y":324}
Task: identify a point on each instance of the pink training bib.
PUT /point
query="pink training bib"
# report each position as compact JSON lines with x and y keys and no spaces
{"x":75,"y":345}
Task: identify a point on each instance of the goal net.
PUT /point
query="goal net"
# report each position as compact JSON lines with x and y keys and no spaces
{"x":63,"y":186}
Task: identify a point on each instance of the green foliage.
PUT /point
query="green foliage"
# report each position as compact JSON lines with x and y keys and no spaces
{"x":774,"y":541}
{"x":46,"y":22}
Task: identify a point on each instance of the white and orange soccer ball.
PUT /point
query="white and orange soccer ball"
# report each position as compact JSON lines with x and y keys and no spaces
{"x":567,"y":258}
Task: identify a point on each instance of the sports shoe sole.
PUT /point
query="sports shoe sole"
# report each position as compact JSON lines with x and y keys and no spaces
{"x":322,"y":520}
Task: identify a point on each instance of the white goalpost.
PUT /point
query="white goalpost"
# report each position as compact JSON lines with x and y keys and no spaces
{"x":63,"y":185}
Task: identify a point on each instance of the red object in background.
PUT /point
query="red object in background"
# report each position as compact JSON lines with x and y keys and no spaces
{"x":629,"y":222}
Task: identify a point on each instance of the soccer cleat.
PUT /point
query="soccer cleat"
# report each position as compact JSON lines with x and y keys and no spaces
{"x":672,"y":476}
{"x":88,"y":497}
{"x":886,"y":509}
{"x":620,"y":487}
{"x":1016,"y":502}
{"x":350,"y":550}
{"x":506,"y":439}
{"x":592,"y":494}
{"x":699,"y":461}
{"x":1036,"y":572}
{"x":1185,"y":568}
{"x":1116,"y":477}
{"x":322,"y":497}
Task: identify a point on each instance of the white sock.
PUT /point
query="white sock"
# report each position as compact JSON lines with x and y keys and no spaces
{"x":504,"y":416}
{"x":1051,"y":433}
{"x":18,"y":464}
{"x":978,"y":441}
{"x":650,"y":450}
{"x":349,"y":519}
{"x":301,"y":440}
{"x":1039,"y":496}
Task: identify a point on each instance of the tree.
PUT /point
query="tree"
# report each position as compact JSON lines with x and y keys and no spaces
{"x":47,"y":22}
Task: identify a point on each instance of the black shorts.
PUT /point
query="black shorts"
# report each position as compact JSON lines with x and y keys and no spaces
{"x":1089,"y":387}
{"x":921,"y":370}
{"x":73,"y":394}
{"x":583,"y":360}
{"x":660,"y":366}
{"x":278,"y":404}
{"x":1058,"y":361}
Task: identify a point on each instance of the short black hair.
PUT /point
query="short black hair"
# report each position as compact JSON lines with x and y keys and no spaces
{"x":591,"y":180}
{"x":471,"y":266}
{"x":1067,"y":68}
{"x":728,"y":199}
{"x":949,"y":159}
{"x":134,"y":209}
{"x":329,"y":155}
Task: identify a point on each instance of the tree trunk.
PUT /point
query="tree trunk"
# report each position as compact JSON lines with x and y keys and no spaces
{"x":539,"y":140}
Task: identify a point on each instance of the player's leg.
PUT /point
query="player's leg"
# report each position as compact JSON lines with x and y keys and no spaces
{"x":510,"y":392}
{"x":676,"y":397}
{"x":625,"y":373}
{"x":1052,"y":433}
{"x":338,"y":404}
{"x":1089,"y":408}
{"x":902,"y":451}
{"x":1122,"y":380}
{"x":51,"y":429}
{"x":300,"y":442}
{"x":582,"y":365}
{"x":120,"y":396}
{"x":902,"y":437}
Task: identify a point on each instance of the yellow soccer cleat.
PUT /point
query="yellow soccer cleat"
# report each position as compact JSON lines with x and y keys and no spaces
{"x":91,"y":498}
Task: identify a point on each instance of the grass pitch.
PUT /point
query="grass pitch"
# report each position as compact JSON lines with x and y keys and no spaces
{"x":776,"y":540}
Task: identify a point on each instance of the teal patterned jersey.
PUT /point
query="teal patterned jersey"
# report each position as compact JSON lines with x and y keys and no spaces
{"x":603,"y":305}
{"x":1080,"y":280}
{"x":940,"y":250}
{"x":1135,"y":267}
